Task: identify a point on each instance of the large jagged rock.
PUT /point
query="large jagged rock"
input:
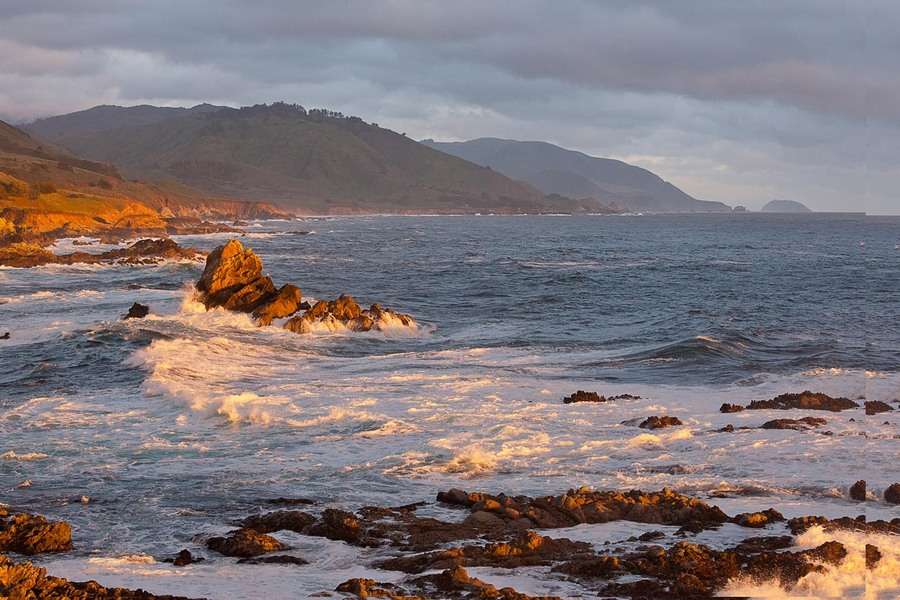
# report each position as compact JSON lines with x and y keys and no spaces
{"x":346,"y":314}
{"x":229,"y":268}
{"x":33,"y":534}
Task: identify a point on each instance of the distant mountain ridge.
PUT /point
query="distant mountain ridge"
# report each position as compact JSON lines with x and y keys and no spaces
{"x":310,"y":160}
{"x":556,"y":170}
{"x":786,"y":206}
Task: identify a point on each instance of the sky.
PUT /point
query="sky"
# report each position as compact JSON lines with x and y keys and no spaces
{"x":740,"y":102}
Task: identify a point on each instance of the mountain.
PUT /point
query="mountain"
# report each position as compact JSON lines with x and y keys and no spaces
{"x":316,"y":160}
{"x":46,"y":192}
{"x":553,"y":169}
{"x":785,"y":206}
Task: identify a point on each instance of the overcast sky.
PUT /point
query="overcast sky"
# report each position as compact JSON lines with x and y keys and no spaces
{"x":739,"y":101}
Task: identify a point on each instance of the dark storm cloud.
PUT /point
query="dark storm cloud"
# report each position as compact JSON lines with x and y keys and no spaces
{"x":746,"y":93}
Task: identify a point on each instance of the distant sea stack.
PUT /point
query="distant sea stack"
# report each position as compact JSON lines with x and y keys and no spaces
{"x":785,"y":206}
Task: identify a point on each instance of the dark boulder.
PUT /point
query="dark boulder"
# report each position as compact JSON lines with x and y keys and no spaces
{"x":137,"y":311}
{"x":582,"y":396}
{"x":892,"y":494}
{"x":730,"y":408}
{"x":278,"y":559}
{"x":858,"y":491}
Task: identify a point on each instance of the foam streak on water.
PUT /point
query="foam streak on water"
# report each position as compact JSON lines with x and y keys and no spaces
{"x":178,"y":424}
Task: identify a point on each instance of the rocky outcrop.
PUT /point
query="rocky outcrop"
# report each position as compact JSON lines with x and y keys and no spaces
{"x":758,"y":519}
{"x":25,"y":581}
{"x":804,"y":401}
{"x":730,"y":408}
{"x":345,"y":314}
{"x":233,"y":280}
{"x":141,"y":252}
{"x":656,"y":422}
{"x":586,"y":506}
{"x":28,"y":534}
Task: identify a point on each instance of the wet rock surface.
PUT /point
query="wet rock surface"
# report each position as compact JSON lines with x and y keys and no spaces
{"x":345,"y":313}
{"x":583,"y":396}
{"x":858,"y":491}
{"x":892,"y":494}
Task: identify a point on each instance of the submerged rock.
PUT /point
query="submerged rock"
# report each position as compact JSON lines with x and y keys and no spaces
{"x":805,"y":401}
{"x":656,"y":422}
{"x":137,"y":311}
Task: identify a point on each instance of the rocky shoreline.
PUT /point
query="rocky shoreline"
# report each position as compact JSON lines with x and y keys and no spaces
{"x":498,"y":531}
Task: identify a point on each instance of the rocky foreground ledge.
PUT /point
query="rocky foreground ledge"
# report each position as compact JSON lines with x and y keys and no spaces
{"x":233,"y":279}
{"x":496,"y":531}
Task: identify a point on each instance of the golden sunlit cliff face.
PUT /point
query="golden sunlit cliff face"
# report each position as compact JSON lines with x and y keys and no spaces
{"x":47,"y":193}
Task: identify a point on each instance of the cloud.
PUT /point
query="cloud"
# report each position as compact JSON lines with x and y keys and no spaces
{"x":735,"y":101}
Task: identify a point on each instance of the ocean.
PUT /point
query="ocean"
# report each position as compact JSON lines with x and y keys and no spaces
{"x":150,"y":435}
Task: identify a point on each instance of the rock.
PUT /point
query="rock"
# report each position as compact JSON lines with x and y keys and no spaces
{"x":345,"y":314}
{"x":33,"y":534}
{"x":25,"y":581}
{"x":585,"y":506}
{"x":651,"y":536}
{"x":806,"y":401}
{"x":858,"y":491}
{"x":873,"y":556}
{"x":284,"y":303}
{"x":291,"y":520}
{"x":338,"y":525}
{"x":247,"y":298}
{"x":245,"y":543}
{"x":730,"y":408}
{"x":183,"y":559}
{"x":660,"y":422}
{"x":758,"y":519}
{"x":892,"y":494}
{"x":795,"y":424}
{"x":147,"y":251}
{"x":873,"y":407}
{"x":290,"y":501}
{"x":5,"y":336}
{"x":228,"y":268}
{"x":137,"y":311}
{"x":727,"y":429}
{"x":582,"y":396}
{"x":278,"y":559}
{"x":456,"y":583}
